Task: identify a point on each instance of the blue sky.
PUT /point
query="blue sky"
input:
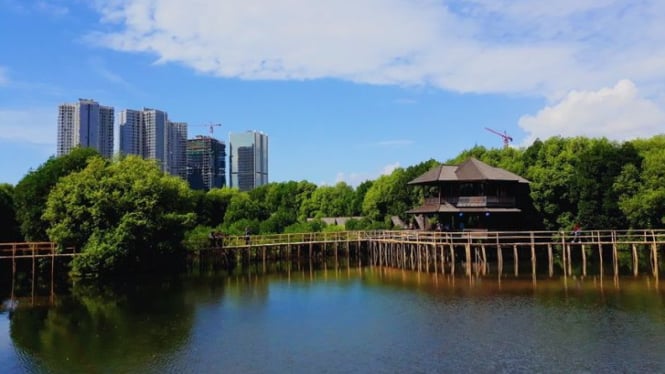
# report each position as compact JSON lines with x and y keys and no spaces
{"x":345,"y":90}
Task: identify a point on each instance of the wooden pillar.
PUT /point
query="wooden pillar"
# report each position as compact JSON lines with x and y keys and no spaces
{"x":499,"y":258}
{"x":654,"y":254}
{"x":515,"y":260}
{"x":615,"y":255}
{"x":563,"y":255}
{"x":550,"y":260}
{"x":600,"y":255}
{"x":452,"y":259}
{"x":484,"y":253}
{"x":467,"y":249}
{"x":635,"y":259}
{"x":533,"y":255}
{"x":570,"y":261}
{"x":583,"y":260}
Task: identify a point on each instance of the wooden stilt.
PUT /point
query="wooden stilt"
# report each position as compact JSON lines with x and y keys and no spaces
{"x":635,"y":259}
{"x":533,"y":256}
{"x":499,"y":257}
{"x":654,"y":251}
{"x":615,"y":255}
{"x":516,"y":260}
{"x":467,"y":250}
{"x":583,"y":260}
{"x":550,"y":260}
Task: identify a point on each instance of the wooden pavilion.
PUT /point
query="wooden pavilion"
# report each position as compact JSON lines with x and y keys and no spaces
{"x":473,"y":196}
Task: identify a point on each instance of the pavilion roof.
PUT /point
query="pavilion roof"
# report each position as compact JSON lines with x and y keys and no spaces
{"x":470,"y":170}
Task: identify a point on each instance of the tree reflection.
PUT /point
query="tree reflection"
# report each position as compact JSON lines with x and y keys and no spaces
{"x":112,"y":327}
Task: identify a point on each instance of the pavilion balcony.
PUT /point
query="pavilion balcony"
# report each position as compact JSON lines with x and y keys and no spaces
{"x":472,"y":201}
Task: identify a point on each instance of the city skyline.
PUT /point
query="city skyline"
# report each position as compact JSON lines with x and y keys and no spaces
{"x":347,"y":92}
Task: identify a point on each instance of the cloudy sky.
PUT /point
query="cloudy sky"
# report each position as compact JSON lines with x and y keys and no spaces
{"x":345,"y":90}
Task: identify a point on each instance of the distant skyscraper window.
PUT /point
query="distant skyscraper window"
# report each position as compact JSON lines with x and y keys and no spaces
{"x":85,"y":124}
{"x":149,"y":134}
{"x":248,"y":160}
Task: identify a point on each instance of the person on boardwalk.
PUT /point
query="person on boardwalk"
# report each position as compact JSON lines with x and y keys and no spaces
{"x":246,"y":235}
{"x":212,"y":239}
{"x":577,"y":231}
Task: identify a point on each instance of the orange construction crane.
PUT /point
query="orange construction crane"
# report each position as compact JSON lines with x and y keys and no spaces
{"x":506,"y":138}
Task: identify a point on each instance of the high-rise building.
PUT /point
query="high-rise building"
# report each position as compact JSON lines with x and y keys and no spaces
{"x":206,"y":165}
{"x":248,"y":161}
{"x":176,"y":145}
{"x":149,"y":134}
{"x":85,"y":124}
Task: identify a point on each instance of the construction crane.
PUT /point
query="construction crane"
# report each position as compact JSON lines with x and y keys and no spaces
{"x":211,"y":127}
{"x":506,"y":138}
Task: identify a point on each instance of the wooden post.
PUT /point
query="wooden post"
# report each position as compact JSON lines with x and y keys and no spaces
{"x":570,"y":261}
{"x":600,"y":255}
{"x":533,"y":255}
{"x":615,"y":255}
{"x":635,"y":260}
{"x":452,"y":258}
{"x":499,"y":257}
{"x":550,"y":261}
{"x":515,"y":260}
{"x":482,"y":248}
{"x":563,"y":255}
{"x":467,"y":250}
{"x":583,"y":260}
{"x":654,"y":251}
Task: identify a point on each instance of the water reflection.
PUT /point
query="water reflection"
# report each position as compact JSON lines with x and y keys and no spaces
{"x":122,"y":326}
{"x":343,"y":319}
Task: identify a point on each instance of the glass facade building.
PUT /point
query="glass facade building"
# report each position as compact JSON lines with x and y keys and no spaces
{"x":248,"y":160}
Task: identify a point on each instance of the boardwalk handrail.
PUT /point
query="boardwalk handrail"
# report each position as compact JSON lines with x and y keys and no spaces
{"x":601,"y":237}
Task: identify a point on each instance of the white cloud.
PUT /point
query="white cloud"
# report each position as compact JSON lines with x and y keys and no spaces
{"x":617,"y":113}
{"x":388,"y":169}
{"x":33,"y":126}
{"x":499,"y":46}
{"x":354,"y":179}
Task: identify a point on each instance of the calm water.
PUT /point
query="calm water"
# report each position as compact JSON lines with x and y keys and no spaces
{"x":341,"y":321}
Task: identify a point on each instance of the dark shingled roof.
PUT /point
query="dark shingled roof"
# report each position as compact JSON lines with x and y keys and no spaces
{"x":470,"y":170}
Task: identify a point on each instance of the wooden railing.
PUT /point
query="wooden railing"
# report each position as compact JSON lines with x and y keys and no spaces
{"x":33,"y":249}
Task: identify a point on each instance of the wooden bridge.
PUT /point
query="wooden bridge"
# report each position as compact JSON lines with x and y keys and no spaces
{"x":425,"y":251}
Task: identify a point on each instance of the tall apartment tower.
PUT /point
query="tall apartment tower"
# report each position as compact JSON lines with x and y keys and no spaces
{"x":206,"y":165}
{"x":248,"y":160}
{"x":85,"y":124}
{"x":149,"y":134}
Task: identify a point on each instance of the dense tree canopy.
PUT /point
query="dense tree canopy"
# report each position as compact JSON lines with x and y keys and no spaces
{"x":10,"y":231}
{"x":32,"y":191}
{"x":125,"y":215}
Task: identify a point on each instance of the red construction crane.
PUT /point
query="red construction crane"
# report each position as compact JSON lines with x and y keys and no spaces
{"x":506,"y":138}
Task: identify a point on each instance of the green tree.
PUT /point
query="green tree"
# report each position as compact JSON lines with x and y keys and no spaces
{"x":126,"y":216}
{"x":641,"y":188}
{"x":32,"y":191}
{"x":329,"y":201}
{"x":10,"y":231}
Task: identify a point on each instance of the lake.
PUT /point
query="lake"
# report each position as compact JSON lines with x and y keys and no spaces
{"x":344,"y":320}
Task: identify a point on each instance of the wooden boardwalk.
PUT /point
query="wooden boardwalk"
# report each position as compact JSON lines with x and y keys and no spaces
{"x":427,"y":251}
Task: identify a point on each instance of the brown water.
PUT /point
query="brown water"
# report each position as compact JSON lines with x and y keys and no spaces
{"x":366,"y":320}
